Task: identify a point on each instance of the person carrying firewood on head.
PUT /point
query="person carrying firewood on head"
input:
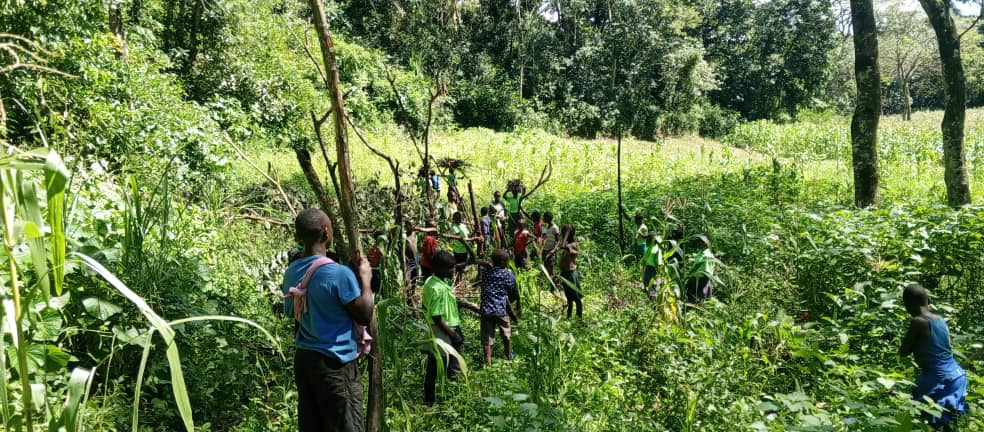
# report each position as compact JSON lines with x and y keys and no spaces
{"x":514,"y":201}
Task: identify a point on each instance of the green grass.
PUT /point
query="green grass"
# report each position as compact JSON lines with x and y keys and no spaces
{"x":786,"y":241}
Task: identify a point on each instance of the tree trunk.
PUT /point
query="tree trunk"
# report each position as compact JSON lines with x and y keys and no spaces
{"x":618,"y":168}
{"x":195,"y":39}
{"x":374,"y":410}
{"x":116,"y":27}
{"x":324,"y":200}
{"x":907,"y":99}
{"x":904,"y":85}
{"x":954,"y":101}
{"x":867,"y":110}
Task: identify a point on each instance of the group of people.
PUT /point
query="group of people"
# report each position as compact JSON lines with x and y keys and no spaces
{"x":691,"y":257}
{"x":331,"y":305}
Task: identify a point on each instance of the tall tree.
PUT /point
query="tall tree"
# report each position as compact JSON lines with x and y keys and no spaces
{"x":374,"y":411}
{"x":954,"y":101}
{"x":867,"y":109}
{"x":772,"y":58}
{"x":910,"y":47}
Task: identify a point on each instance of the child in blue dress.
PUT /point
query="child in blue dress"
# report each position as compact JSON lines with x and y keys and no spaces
{"x":928,"y":340}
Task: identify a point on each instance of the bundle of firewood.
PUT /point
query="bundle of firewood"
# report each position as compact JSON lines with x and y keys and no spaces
{"x":515,"y":185}
{"x":451,"y":163}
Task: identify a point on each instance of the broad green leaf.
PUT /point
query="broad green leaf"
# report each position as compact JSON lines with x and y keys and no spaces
{"x":48,"y":326}
{"x":130,"y":336}
{"x":100,"y":308}
{"x":888,"y":383}
{"x":55,"y":358}
{"x":447,"y":348}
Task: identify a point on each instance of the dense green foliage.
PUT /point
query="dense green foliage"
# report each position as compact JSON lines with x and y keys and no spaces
{"x":158,"y":195}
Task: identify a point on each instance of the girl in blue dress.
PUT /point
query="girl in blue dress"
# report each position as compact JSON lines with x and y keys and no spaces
{"x":928,"y":340}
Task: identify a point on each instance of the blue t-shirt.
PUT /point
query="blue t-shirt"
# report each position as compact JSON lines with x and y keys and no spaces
{"x":326,"y":327}
{"x":497,"y":284}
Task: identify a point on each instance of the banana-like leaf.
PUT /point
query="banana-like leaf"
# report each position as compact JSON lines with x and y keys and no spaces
{"x":55,"y":178}
{"x":447,"y":348}
{"x":78,"y":386}
{"x":161,"y":326}
{"x":31,"y":213}
{"x":5,"y":409}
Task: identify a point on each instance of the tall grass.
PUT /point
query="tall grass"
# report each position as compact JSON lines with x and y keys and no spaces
{"x":32,"y":281}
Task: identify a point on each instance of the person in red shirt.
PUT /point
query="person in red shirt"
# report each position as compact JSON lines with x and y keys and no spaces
{"x":428,"y":249}
{"x":521,"y":239}
{"x":537,"y":225}
{"x":375,"y":258}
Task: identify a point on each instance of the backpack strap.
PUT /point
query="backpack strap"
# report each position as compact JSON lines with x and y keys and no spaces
{"x":299,"y":292}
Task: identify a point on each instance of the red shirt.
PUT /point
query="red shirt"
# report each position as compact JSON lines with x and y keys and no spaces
{"x":375,"y":256}
{"x":428,"y":250}
{"x":538,"y":230}
{"x":522,"y":238}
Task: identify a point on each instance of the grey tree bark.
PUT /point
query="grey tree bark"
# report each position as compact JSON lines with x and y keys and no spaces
{"x":954,"y":101}
{"x":867,"y":109}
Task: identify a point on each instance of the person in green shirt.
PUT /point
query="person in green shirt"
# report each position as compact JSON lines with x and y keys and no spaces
{"x":641,"y":235}
{"x":700,"y":271}
{"x":442,"y":309}
{"x":652,"y":260}
{"x":451,"y":178}
{"x":514,"y":205}
{"x":460,"y":246}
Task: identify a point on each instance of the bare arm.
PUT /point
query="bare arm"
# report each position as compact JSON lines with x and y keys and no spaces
{"x":362,"y":308}
{"x":918,"y":330}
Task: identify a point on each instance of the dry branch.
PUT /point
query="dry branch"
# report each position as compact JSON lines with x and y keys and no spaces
{"x":270,"y":179}
{"x":544,"y":178}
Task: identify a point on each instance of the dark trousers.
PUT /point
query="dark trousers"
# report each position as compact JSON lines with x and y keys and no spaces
{"x":450,"y":369}
{"x":522,"y":260}
{"x":648,"y":274}
{"x":699,"y":289}
{"x":329,"y":393}
{"x":572,"y":291}
{"x":377,"y":280}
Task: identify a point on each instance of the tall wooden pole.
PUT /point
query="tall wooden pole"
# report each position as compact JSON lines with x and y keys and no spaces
{"x":374,"y":410}
{"x":618,"y":164}
{"x":478,"y":222}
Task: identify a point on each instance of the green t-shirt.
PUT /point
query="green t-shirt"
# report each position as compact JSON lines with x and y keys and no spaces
{"x":459,"y":246}
{"x":452,"y":179}
{"x":512,"y":199}
{"x":438,"y":301}
{"x":702,"y":264}
{"x":653,"y":256}
{"x":641,"y":233}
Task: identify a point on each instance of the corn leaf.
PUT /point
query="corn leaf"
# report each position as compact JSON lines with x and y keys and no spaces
{"x":31,"y":212}
{"x":78,"y":387}
{"x":161,"y":326}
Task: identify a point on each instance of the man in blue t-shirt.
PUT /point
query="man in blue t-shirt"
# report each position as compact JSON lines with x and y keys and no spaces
{"x":329,"y":390}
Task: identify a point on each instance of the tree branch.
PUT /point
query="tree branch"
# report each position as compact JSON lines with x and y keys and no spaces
{"x":307,"y":51}
{"x":404,"y":112}
{"x":544,"y":178}
{"x":251,"y":164}
{"x":973,"y":24}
